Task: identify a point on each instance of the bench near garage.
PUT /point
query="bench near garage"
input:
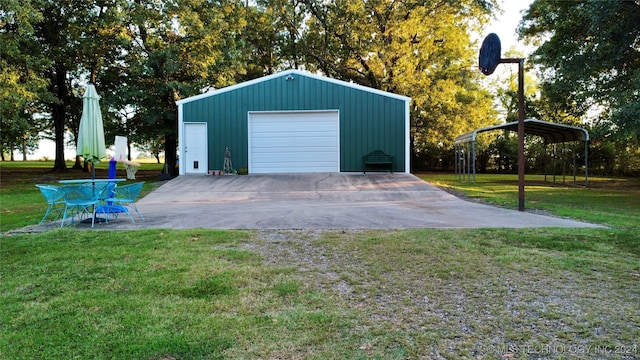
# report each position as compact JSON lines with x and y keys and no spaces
{"x":377,"y":159}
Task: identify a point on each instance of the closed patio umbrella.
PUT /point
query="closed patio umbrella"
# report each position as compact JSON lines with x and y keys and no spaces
{"x":90,"y":143}
{"x":91,"y":133}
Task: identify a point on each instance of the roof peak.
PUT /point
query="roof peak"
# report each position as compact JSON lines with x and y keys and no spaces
{"x":287,"y":73}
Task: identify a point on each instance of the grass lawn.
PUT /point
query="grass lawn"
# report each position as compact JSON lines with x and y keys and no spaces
{"x":412,"y":294}
{"x":610,"y":201}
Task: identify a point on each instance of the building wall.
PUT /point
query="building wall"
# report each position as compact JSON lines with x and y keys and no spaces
{"x":368,"y":120}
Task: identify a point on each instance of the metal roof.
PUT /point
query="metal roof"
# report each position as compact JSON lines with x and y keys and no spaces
{"x":290,"y":74}
{"x":551,"y":132}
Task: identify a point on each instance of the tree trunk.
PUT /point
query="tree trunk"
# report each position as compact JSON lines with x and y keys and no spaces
{"x":170,"y":143}
{"x":170,"y":138}
{"x":59,"y":118}
{"x":78,"y":163}
{"x":24,"y":149}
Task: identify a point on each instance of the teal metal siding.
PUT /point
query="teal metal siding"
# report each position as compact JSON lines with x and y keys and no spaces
{"x":368,"y":121}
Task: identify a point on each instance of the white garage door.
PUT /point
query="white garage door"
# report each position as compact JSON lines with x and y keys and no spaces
{"x":294,"y":142}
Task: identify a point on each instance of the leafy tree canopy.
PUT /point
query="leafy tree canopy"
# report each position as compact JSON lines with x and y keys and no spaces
{"x":422,"y":49}
{"x":23,"y":87}
{"x":143,"y":55}
{"x":589,"y":53}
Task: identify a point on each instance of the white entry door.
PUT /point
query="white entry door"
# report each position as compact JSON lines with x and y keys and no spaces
{"x":295,"y":141}
{"x":195,"y":149}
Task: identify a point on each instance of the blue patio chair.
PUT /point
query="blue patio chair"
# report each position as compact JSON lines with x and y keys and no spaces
{"x":55,"y":199}
{"x":108,"y":207}
{"x":82,"y":200}
{"x":127,"y":195}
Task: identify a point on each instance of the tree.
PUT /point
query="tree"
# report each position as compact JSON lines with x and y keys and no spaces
{"x":21,"y":76}
{"x":505,"y":87}
{"x":153,"y":147}
{"x":56,"y":36}
{"x":144,"y":55}
{"x":77,"y":41}
{"x":272,"y":41}
{"x":589,"y":53}
{"x":177,"y":49}
{"x":100,"y":35}
{"x":422,"y":49}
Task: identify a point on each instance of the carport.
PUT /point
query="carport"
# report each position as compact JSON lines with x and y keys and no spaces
{"x":552,"y":133}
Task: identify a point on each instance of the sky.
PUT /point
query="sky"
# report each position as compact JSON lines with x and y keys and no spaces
{"x":504,"y":26}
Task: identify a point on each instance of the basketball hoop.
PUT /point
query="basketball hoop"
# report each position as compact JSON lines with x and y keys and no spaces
{"x":489,"y":54}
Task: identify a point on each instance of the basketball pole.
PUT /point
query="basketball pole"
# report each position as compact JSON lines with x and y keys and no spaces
{"x":521,"y":158}
{"x":490,"y":57}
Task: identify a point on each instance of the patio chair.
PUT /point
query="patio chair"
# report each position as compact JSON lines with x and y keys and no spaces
{"x":55,"y":199}
{"x":82,"y":199}
{"x":108,"y":207}
{"x":127,"y":195}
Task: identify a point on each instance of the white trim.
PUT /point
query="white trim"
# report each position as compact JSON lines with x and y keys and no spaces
{"x":181,"y":169}
{"x":293,"y":72}
{"x":407,"y":137}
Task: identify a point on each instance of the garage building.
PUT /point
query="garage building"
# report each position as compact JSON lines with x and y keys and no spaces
{"x":292,"y":122}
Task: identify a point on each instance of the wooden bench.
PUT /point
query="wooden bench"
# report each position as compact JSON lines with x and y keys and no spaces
{"x":377,"y":159}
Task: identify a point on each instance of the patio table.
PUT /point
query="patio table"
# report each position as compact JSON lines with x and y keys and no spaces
{"x":82,"y":181}
{"x":105,"y":209}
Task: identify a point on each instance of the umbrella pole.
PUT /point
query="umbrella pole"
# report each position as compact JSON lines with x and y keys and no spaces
{"x":95,"y":217}
{"x":93,"y":177}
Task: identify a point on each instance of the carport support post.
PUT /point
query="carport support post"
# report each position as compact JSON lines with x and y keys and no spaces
{"x":473,"y":156}
{"x":521,"y":160}
{"x":455,"y":161}
{"x":586,"y":162}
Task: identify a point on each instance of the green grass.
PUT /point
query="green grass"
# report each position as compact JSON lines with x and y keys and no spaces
{"x":211,"y":294}
{"x":152,"y":295}
{"x":614,"y":202}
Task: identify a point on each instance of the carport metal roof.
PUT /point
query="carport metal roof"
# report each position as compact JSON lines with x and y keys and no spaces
{"x":551,"y":132}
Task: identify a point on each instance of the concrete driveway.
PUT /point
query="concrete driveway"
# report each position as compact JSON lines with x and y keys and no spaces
{"x":319,"y":201}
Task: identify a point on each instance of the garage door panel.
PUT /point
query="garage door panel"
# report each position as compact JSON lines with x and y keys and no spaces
{"x":289,"y":143}
{"x":294,"y":142}
{"x":284,"y":153}
{"x":289,"y":127}
{"x":275,"y":168}
{"x":294,"y":157}
{"x":298,"y":138}
{"x":312,"y":131}
{"x":296,"y":134}
{"x":298,"y":164}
